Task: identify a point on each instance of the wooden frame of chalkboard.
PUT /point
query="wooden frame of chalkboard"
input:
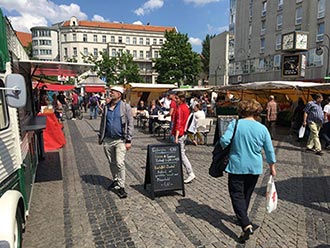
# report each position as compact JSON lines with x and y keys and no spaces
{"x":164,"y":168}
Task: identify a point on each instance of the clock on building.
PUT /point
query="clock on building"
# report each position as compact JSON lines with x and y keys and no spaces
{"x":288,"y":41}
{"x":301,"y":41}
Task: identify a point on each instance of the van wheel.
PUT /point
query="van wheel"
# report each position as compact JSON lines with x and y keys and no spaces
{"x":18,"y":232}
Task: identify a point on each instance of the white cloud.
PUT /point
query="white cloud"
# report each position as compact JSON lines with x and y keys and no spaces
{"x":216,"y":30}
{"x":200,"y":2}
{"x":149,"y":6}
{"x":44,"y":13}
{"x":195,"y":41}
{"x":99,"y":18}
{"x":138,"y":23}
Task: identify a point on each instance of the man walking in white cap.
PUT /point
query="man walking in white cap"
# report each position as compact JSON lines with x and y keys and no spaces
{"x":116,"y":130}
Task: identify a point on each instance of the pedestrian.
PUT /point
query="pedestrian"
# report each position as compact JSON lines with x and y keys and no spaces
{"x":116,"y":130}
{"x":75,"y":104}
{"x":325,"y":131}
{"x":173,"y":106}
{"x":271,"y":115}
{"x":93,"y":106}
{"x":153,"y":110}
{"x":180,"y":119}
{"x":313,"y":117}
{"x":298,"y":117}
{"x":194,"y":128}
{"x":246,"y":161}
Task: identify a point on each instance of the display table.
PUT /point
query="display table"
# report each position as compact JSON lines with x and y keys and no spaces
{"x":53,"y":135}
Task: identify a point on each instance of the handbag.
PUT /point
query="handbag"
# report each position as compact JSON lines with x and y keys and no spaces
{"x":271,"y":195}
{"x":220,"y":157}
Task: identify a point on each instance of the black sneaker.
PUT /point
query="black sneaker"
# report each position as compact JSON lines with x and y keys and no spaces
{"x":121,"y":193}
{"x":245,"y":235}
{"x":113,"y":185}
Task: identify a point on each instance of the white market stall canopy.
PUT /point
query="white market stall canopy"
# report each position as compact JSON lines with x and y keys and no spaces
{"x":144,"y":87}
{"x":289,"y":90}
{"x":193,"y":89}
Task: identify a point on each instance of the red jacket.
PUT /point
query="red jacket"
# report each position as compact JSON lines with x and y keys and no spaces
{"x":180,"y":119}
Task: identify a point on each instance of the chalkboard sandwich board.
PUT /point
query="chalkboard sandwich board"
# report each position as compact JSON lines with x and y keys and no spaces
{"x":164,"y":168}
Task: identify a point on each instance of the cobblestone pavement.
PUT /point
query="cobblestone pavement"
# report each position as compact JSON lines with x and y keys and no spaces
{"x":71,"y":206}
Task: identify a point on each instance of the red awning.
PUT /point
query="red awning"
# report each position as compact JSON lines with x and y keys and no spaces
{"x":94,"y":89}
{"x":53,"y":87}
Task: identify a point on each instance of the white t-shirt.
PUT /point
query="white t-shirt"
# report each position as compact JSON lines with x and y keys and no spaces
{"x":326,"y":109}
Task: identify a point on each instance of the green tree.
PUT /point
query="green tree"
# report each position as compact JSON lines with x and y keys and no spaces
{"x":177,"y":62}
{"x":117,"y":70}
{"x":205,"y":56}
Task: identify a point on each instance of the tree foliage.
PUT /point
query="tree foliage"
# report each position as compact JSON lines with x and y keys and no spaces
{"x":206,"y":54}
{"x":177,"y":62}
{"x":117,"y":70}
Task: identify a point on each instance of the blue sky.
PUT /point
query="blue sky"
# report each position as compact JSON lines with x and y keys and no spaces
{"x":196,"y":18}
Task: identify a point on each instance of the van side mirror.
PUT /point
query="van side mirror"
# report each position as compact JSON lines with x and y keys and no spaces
{"x":15,"y":90}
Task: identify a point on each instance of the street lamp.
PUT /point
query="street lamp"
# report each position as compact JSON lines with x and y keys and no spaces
{"x":319,"y":51}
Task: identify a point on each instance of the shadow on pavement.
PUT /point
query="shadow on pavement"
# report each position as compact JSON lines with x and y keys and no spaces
{"x":147,"y":192}
{"x":205,"y":212}
{"x":315,"y":191}
{"x":97,"y":180}
{"x":49,"y":169}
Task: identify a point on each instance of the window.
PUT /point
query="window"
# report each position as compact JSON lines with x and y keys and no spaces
{"x":85,"y":38}
{"x":280,"y":4}
{"x":147,"y":41}
{"x":74,"y":37}
{"x":299,"y":15}
{"x":277,"y":61}
{"x":134,"y":40}
{"x":279,"y":20}
{"x":112,"y":38}
{"x":128,"y":51}
{"x":148,"y":54}
{"x":128,"y":40}
{"x":261,"y":64}
{"x":161,"y":42}
{"x":264,"y":8}
{"x":262,"y":45}
{"x":141,"y":41}
{"x":156,"y":54}
{"x":104,"y":39}
{"x":75,"y":53}
{"x":96,"y":52}
{"x":120,"y":39}
{"x":113,"y":52}
{"x":263,"y":27}
{"x":85,"y":51}
{"x":134,"y":54}
{"x":120,"y":52}
{"x":320,"y":32}
{"x":154,"y":42}
{"x":278,"y":42}
{"x":95,"y":38}
{"x":141,"y":55}
{"x":35,"y":52}
{"x":4,"y":118}
{"x":104,"y":50}
{"x":64,"y":37}
{"x":65,"y":52}
{"x":320,"y":8}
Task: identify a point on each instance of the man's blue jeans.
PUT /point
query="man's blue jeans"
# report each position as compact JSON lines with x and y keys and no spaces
{"x":93,"y":111}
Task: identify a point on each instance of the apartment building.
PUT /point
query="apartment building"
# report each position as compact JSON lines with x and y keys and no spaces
{"x":256,"y":32}
{"x":45,"y":43}
{"x":77,"y":38}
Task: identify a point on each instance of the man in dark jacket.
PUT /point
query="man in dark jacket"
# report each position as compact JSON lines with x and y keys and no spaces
{"x":116,"y":132}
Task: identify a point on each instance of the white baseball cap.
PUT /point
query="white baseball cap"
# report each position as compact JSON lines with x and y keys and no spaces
{"x":118,"y":88}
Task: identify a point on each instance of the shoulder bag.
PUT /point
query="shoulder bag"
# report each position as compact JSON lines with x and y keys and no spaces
{"x":220,"y":157}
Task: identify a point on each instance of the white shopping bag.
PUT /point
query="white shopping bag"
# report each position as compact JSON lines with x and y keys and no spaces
{"x":271,"y":196}
{"x":302,"y":132}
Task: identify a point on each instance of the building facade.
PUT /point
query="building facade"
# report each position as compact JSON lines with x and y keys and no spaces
{"x":77,"y":38}
{"x":45,"y":43}
{"x":219,"y":59}
{"x":256,"y":32}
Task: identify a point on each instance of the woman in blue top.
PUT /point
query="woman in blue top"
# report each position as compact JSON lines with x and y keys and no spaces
{"x":245,"y":160}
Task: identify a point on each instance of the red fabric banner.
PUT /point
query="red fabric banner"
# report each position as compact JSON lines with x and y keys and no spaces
{"x":54,"y":138}
{"x":94,"y":89}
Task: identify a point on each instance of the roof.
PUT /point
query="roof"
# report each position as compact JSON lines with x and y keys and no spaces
{"x":24,"y":38}
{"x":55,"y":68}
{"x":113,"y":25}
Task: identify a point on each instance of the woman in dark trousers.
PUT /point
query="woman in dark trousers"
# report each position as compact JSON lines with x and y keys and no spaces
{"x":245,"y":160}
